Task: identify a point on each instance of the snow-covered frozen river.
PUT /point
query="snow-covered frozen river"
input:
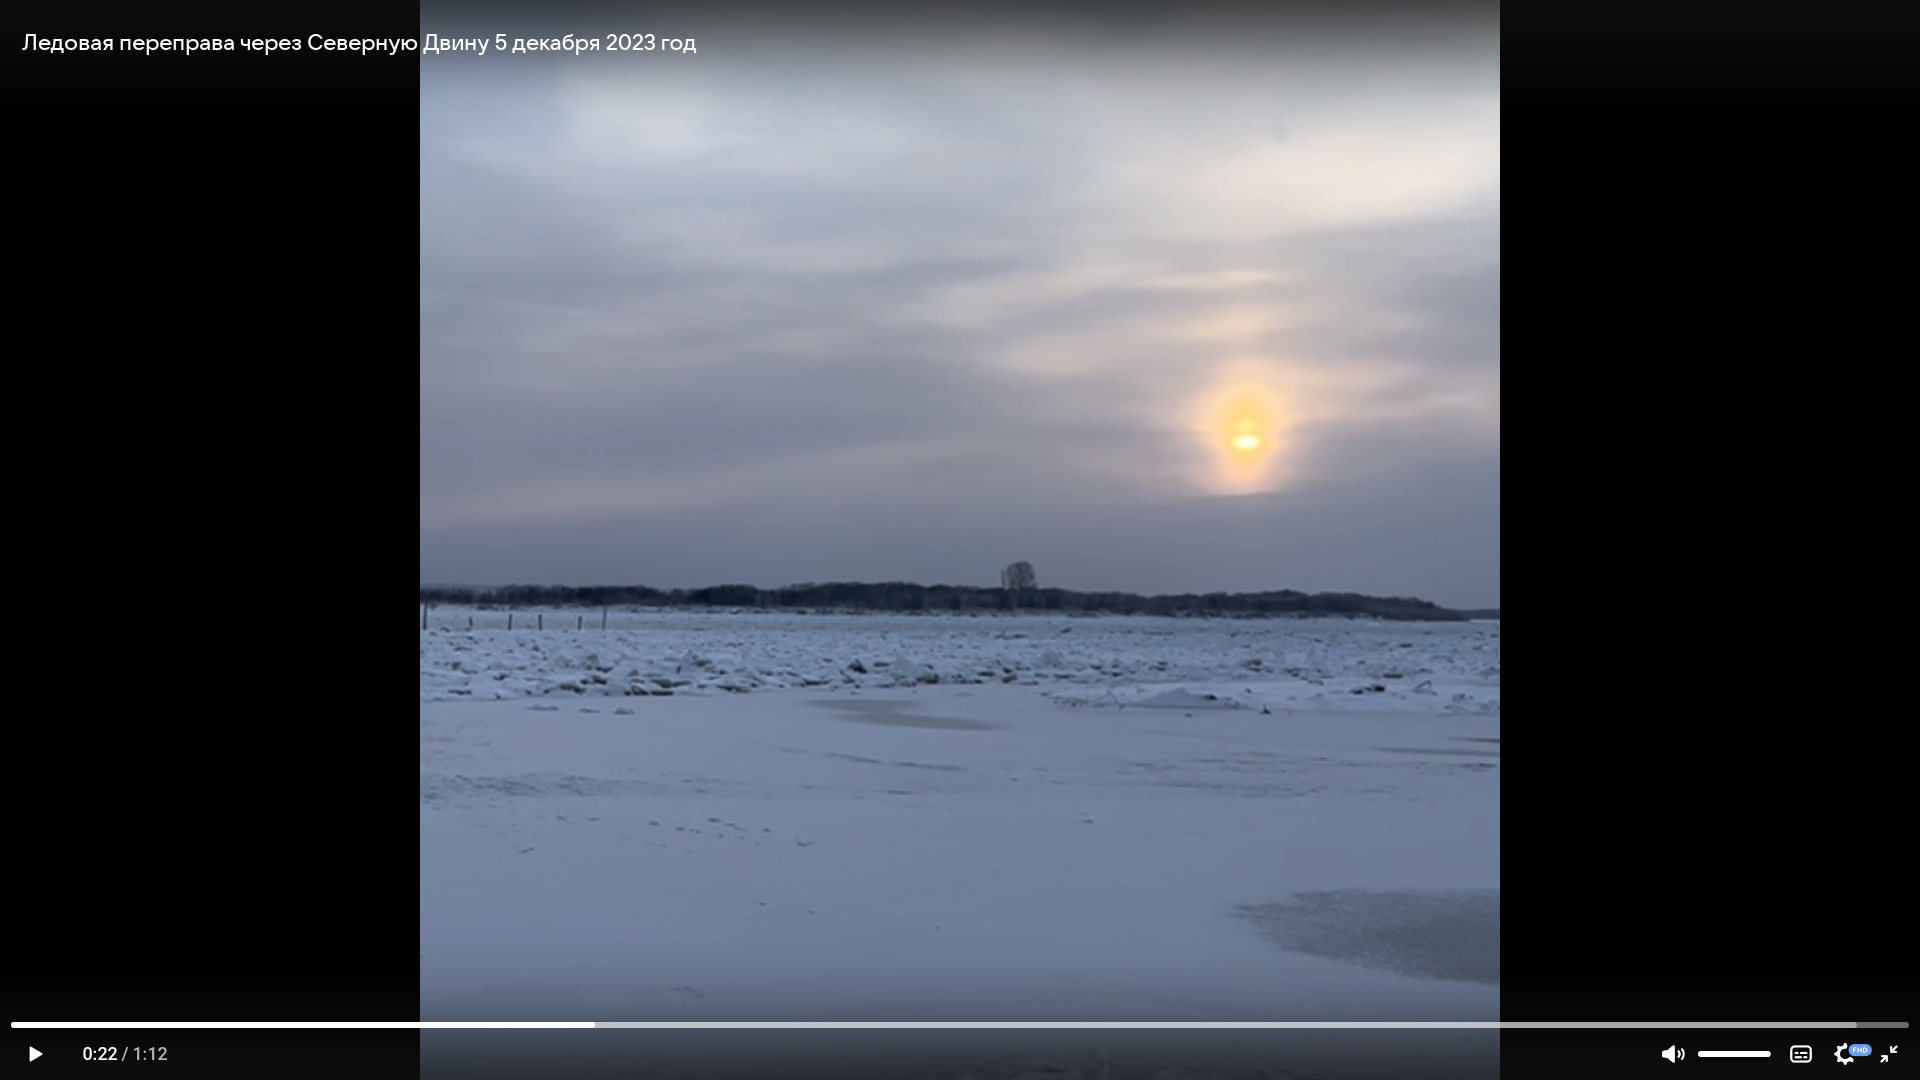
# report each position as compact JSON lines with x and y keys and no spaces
{"x":959,"y":818}
{"x":1323,"y":664}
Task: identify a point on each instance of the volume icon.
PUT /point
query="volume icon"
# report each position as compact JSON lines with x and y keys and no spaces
{"x":1674,"y":1053}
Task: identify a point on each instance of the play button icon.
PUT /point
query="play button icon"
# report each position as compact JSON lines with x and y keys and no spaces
{"x":32,"y":1053}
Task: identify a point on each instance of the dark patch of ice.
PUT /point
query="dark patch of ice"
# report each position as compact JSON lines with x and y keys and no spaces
{"x":894,"y":714}
{"x":1452,"y":935}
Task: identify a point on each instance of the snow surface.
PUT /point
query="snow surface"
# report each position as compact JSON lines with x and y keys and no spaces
{"x":1012,"y":818}
{"x":1321,"y":664}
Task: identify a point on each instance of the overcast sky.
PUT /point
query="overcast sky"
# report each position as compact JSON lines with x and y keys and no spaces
{"x":1154,"y":313}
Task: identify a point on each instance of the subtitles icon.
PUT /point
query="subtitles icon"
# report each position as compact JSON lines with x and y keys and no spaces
{"x":1800,"y":1055}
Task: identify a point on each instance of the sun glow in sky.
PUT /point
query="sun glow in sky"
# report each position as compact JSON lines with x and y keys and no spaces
{"x":1242,"y":423}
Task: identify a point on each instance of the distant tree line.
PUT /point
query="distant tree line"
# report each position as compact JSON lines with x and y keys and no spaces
{"x":904,"y":596}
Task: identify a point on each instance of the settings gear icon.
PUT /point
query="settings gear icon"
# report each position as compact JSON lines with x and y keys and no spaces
{"x":1840,"y":1054}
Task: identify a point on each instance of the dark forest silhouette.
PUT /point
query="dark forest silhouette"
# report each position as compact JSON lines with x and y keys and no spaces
{"x":908,"y":597}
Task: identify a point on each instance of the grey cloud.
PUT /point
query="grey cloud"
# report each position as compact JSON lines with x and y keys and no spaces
{"x":1434,"y":533}
{"x":753,"y":339}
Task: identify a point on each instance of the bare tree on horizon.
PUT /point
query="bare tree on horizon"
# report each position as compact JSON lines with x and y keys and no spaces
{"x":1018,"y":580}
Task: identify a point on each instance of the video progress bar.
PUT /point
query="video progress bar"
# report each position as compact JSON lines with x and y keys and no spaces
{"x":959,"y":1025}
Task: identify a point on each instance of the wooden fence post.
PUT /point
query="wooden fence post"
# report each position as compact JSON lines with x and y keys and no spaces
{"x":509,"y":620}
{"x":540,"y":621}
{"x":579,"y":621}
{"x":603,"y":618}
{"x":423,"y":616}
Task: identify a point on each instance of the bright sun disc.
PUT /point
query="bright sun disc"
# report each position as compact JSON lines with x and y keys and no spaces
{"x":1243,"y":422}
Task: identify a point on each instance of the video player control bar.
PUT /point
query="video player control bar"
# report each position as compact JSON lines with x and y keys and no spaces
{"x":957,"y":1025}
